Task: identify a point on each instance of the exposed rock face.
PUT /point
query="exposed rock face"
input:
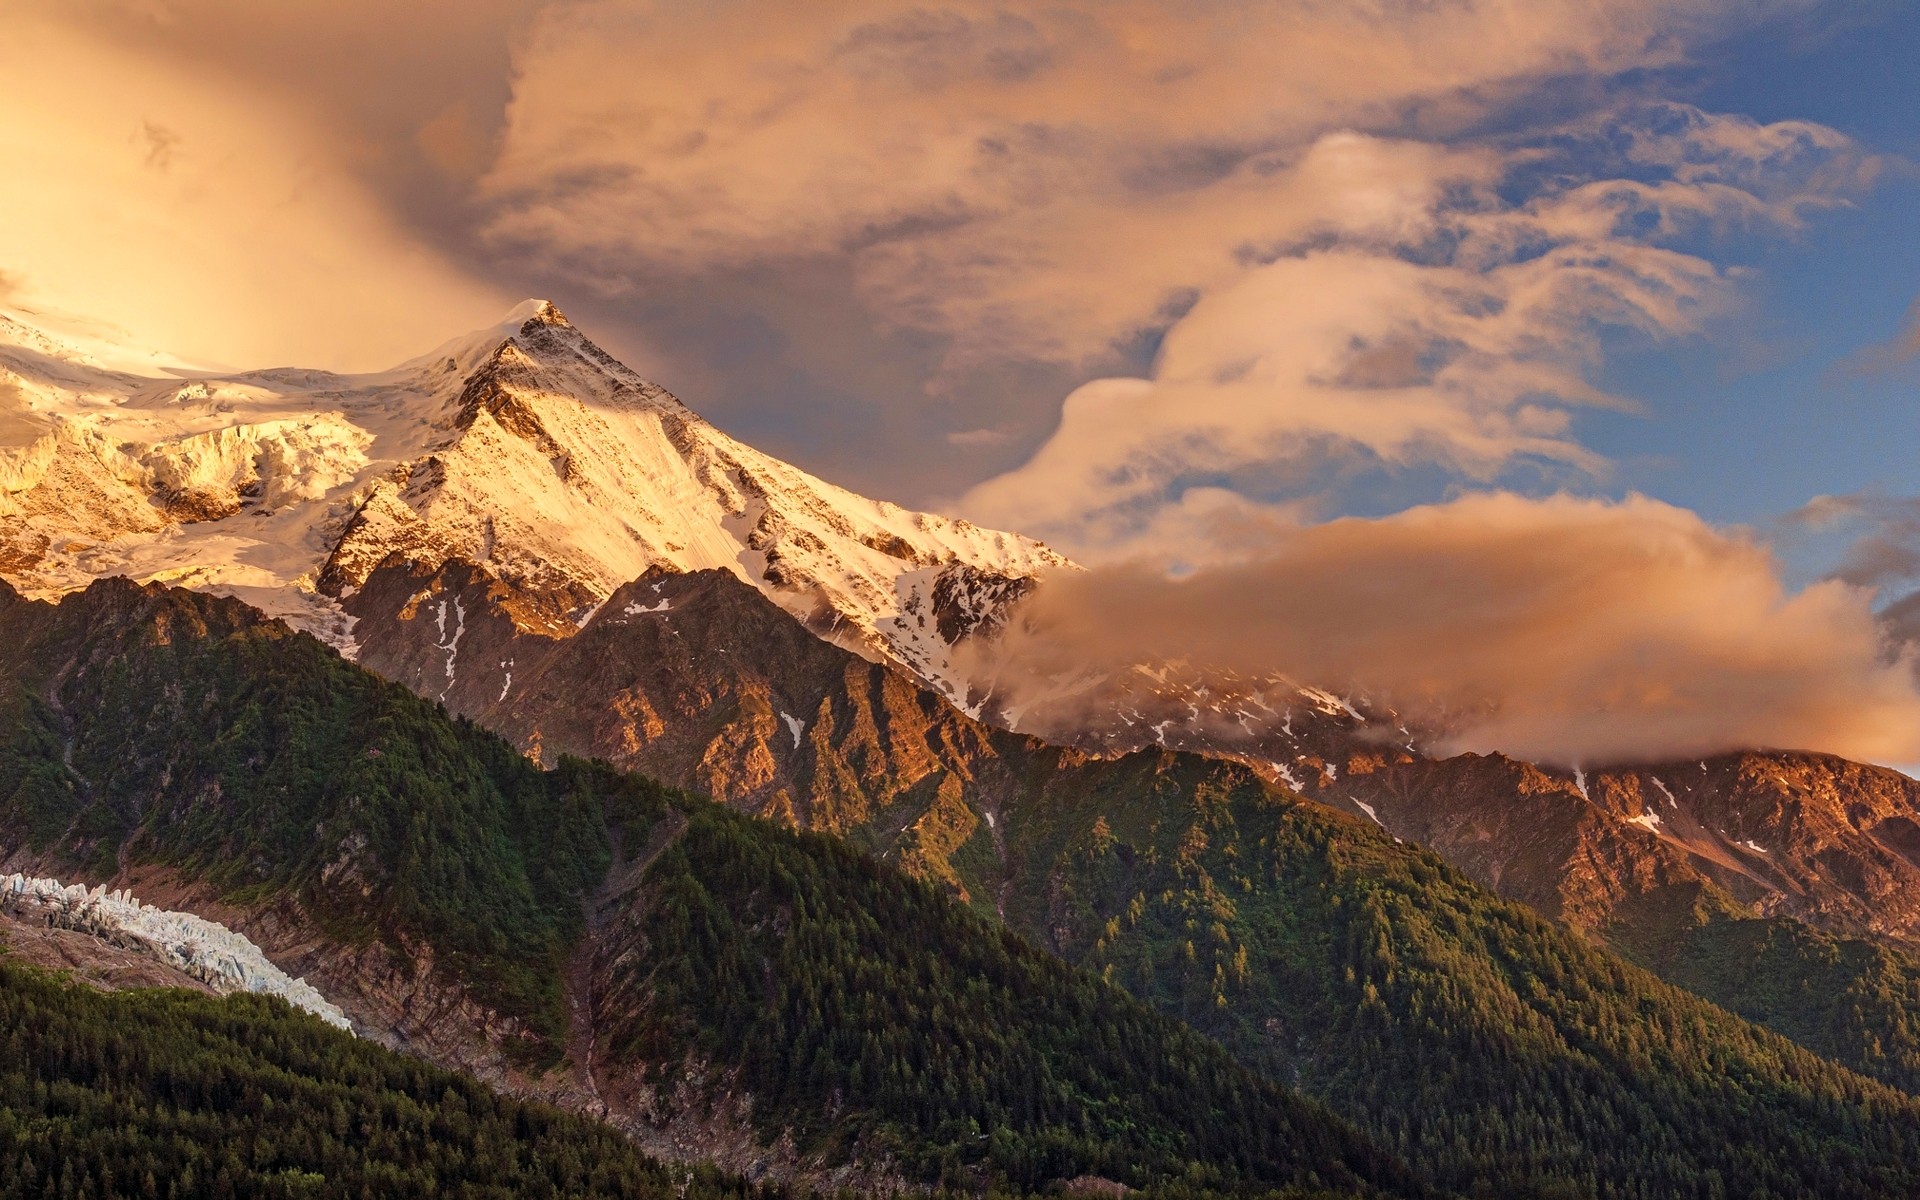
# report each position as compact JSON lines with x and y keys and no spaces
{"x":1622,"y":851}
{"x":697,"y":679}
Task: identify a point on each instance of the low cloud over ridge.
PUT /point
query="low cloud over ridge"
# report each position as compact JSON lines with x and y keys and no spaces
{"x":1563,"y":630}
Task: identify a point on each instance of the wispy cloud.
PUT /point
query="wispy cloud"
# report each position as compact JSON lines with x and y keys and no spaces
{"x":1021,"y":179}
{"x":1451,"y":319}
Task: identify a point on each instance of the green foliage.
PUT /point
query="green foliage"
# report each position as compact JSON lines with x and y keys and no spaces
{"x":183,"y":733}
{"x":1852,"y":1001}
{"x":174,"y":1094}
{"x":862,"y":1008}
{"x":875,"y":1020}
{"x":1498,"y":1053}
{"x":37,"y":794}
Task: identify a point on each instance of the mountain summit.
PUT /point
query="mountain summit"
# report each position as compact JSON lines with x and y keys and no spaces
{"x":523,"y":447}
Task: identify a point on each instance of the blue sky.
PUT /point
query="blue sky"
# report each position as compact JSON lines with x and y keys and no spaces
{"x":1784,"y":401}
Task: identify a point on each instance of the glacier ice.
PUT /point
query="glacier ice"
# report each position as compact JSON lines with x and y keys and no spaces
{"x":208,"y":951}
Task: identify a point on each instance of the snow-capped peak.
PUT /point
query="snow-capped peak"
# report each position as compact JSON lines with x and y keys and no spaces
{"x":522,"y":447}
{"x":544,"y":312}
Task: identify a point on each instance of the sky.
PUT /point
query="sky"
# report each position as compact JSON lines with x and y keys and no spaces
{"x":1205,"y":294}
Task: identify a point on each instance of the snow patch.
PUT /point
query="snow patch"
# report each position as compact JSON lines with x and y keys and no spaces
{"x":636,"y":607}
{"x":451,"y":644}
{"x":1664,"y":791}
{"x":1647,"y":820}
{"x":1580,"y":783}
{"x":1366,"y":808}
{"x":1331,"y":704}
{"x":795,"y":726}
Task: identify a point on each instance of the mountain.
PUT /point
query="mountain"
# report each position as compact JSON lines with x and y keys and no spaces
{"x":699,"y":679}
{"x":725,"y":984}
{"x":1605,"y":848}
{"x":715,"y":987}
{"x":523,"y":447}
{"x":1781,"y":885}
{"x":518,"y":527}
{"x":526,"y":453}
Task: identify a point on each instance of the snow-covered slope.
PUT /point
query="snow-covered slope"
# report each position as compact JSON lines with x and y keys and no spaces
{"x":523,"y":447}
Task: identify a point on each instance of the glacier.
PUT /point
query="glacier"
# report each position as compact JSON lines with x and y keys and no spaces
{"x":206,"y":950}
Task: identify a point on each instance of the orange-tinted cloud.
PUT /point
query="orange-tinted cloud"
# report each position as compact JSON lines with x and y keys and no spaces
{"x":1566,"y":630}
{"x":201,"y":210}
{"x":1030,"y":179}
{"x":1433,"y":322}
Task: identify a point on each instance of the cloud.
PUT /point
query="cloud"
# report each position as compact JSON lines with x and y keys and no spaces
{"x":1560,"y":629}
{"x":1895,"y":355}
{"x":1882,"y":532}
{"x":1880,"y":553}
{"x":1888,"y":554}
{"x":1023,"y":179}
{"x":979,"y":437}
{"x":1451,"y":319}
{"x":1062,"y":183}
{"x":186,"y":176}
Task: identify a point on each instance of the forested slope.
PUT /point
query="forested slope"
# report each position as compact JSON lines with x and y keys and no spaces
{"x":166,"y":1093}
{"x":1492,"y":1048}
{"x":147,"y":726}
{"x":867,"y":1016}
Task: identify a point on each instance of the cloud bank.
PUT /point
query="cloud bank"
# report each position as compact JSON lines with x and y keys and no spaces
{"x":1432,"y":306}
{"x":1561,"y":629}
